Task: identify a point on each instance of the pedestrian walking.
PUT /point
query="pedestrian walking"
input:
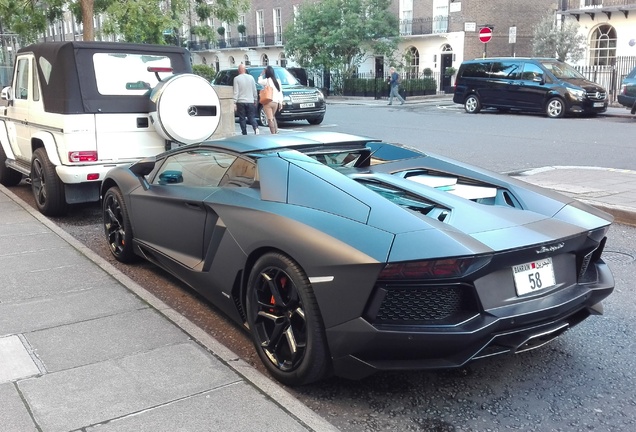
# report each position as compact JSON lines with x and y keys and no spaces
{"x":394,"y":82}
{"x":245,"y":100}
{"x":268,"y":78}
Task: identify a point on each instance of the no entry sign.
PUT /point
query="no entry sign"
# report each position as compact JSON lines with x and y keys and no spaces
{"x":485,"y":34}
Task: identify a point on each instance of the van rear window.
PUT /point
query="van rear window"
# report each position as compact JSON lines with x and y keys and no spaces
{"x":476,"y":70}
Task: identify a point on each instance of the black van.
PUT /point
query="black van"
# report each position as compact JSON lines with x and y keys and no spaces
{"x":527,"y":84}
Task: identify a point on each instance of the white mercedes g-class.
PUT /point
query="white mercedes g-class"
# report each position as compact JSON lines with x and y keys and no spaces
{"x":75,"y":110}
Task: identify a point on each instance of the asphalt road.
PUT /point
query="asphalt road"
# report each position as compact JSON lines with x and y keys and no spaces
{"x":584,"y":380}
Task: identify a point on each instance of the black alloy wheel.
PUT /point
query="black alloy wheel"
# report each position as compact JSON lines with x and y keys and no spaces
{"x":285,"y":321}
{"x":47,"y":188}
{"x":117,"y":226}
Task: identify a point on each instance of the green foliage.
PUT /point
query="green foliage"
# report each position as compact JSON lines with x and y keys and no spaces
{"x":203,"y":31}
{"x":450,"y":71}
{"x":143,"y":21}
{"x":563,"y":42}
{"x":373,"y":87}
{"x":204,"y":71}
{"x":221,"y":30}
{"x":338,"y":35}
{"x":241,"y":28}
{"x":427,"y":72}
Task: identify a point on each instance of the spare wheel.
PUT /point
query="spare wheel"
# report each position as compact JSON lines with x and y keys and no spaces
{"x":185,"y":108}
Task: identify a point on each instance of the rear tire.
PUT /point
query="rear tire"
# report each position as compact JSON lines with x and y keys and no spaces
{"x":472,"y":105}
{"x":8,"y":176}
{"x":555,"y":108}
{"x":48,"y":189}
{"x":285,"y":321}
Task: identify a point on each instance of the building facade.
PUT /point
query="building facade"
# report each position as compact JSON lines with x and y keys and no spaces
{"x":434,"y":34}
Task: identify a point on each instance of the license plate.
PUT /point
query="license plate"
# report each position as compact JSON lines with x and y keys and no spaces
{"x":307,"y":105}
{"x":533,"y":276}
{"x":599,"y":104}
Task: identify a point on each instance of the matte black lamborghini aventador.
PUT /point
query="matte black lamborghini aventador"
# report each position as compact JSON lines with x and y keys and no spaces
{"x":346,"y":255}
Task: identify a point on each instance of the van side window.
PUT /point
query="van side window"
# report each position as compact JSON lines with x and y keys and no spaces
{"x":531,"y":71}
{"x":505,"y":70}
{"x":476,"y":70}
{"x":22,"y":81}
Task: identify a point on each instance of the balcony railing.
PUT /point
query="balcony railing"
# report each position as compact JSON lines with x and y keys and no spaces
{"x":600,"y":5}
{"x":253,"y":41}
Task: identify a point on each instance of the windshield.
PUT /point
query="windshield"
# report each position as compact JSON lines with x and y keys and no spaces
{"x":283,"y":75}
{"x":562,"y":70}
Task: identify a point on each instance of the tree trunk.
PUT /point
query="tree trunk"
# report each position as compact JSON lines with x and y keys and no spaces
{"x":88,"y":33}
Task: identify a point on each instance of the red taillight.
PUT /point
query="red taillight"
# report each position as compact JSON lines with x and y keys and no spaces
{"x":432,"y":269}
{"x":159,"y":69}
{"x":92,"y":176}
{"x":82,"y":156}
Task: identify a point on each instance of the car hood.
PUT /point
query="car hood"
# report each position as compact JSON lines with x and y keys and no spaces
{"x":585,"y":84}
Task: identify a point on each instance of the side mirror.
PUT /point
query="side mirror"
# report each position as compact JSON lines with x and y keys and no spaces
{"x":170,"y":177}
{"x":538,"y":79}
{"x":7,"y":94}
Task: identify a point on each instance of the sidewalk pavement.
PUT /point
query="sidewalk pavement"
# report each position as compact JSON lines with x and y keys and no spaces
{"x":83,"y":347}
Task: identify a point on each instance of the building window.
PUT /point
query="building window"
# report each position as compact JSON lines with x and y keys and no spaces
{"x":406,"y":14}
{"x":282,"y":60}
{"x":264,"y":60}
{"x":412,"y":68}
{"x":440,"y":16}
{"x":603,"y":46}
{"x":232,"y":61}
{"x":246,"y":60}
{"x":242,"y":36}
{"x":260,"y":28}
{"x":278,"y":28}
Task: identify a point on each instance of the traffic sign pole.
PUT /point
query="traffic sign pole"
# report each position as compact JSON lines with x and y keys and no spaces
{"x":485,"y":34}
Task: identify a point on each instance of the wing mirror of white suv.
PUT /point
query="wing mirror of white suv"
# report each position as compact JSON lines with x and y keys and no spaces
{"x":7,"y":94}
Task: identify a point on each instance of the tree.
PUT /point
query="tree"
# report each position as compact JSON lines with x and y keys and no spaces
{"x":561,"y":41}
{"x":146,"y":21}
{"x":340,"y":34}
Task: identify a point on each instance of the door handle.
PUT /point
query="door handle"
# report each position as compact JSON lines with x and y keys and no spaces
{"x":194,"y":205}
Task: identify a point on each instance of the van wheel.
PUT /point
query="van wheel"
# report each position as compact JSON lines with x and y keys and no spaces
{"x":262,"y":117}
{"x":8,"y":176}
{"x":47,"y":188}
{"x":555,"y":108}
{"x":472,"y":104}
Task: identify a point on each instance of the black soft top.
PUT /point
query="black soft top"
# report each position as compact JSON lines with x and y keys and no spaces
{"x":72,"y":88}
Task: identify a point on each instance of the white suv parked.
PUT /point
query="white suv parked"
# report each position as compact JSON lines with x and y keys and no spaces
{"x":75,"y":110}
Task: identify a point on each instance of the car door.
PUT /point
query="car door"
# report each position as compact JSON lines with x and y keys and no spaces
{"x":531,"y":91}
{"x":504,"y":78}
{"x":18,"y":110}
{"x":170,"y":215}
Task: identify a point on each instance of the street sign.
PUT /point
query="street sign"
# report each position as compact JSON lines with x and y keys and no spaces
{"x":512,"y":35}
{"x":485,"y":34}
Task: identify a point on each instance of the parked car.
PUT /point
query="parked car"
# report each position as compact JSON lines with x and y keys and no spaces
{"x":76,"y":109}
{"x":299,"y":102}
{"x":527,"y":84}
{"x":627,"y":95}
{"x":346,"y":255}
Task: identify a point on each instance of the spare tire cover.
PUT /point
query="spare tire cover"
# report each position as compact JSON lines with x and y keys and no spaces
{"x":185,"y":108}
